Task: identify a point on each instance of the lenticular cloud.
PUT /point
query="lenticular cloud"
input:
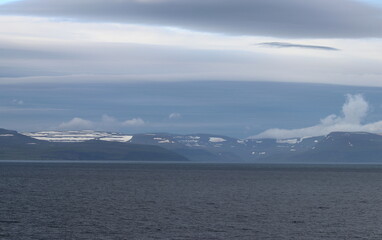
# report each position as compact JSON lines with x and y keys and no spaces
{"x":354,"y":112}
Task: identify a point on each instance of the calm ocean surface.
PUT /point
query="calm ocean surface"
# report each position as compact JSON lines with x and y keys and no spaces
{"x":189,"y":201}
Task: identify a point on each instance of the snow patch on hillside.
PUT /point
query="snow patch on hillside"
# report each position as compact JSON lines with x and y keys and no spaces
{"x":78,"y":136}
{"x":117,"y":138}
{"x":217,"y":139}
{"x":6,"y":135}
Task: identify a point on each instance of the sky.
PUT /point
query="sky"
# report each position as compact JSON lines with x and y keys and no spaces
{"x":232,"y":67}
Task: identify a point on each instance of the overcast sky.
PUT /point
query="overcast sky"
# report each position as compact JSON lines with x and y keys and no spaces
{"x":111,"y":42}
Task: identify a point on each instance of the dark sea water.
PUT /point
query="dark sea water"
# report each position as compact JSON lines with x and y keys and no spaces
{"x":189,"y":201}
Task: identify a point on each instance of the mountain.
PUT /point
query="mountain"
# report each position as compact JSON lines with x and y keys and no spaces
{"x":358,"y":147}
{"x":16,"y":146}
{"x":196,"y":147}
{"x":337,"y":147}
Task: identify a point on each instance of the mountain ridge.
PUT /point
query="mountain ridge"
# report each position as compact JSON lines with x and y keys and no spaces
{"x":334,"y":147}
{"x":16,"y":146}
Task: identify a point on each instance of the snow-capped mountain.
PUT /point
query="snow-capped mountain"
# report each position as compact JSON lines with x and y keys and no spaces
{"x":198,"y":147}
{"x":79,"y":146}
{"x":335,"y":147}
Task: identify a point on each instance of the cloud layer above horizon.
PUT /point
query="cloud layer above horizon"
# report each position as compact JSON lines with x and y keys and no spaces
{"x":315,"y":18}
{"x":353,"y":114}
{"x":175,"y":43}
{"x":328,"y":41}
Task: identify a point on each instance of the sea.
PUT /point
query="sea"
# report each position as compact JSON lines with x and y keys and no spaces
{"x":114,"y":200}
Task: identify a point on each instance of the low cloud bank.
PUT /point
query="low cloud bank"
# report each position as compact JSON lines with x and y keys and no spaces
{"x":354,"y":112}
{"x":77,"y":124}
{"x":107,"y":123}
{"x":134,"y":122}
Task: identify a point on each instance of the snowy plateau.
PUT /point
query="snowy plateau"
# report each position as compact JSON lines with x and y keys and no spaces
{"x":78,"y":136}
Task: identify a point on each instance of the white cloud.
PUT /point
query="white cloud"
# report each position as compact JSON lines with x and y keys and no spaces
{"x":354,"y":112}
{"x":355,"y":109}
{"x":107,"y":123}
{"x":135,"y":122}
{"x":173,"y":116}
{"x":77,"y":124}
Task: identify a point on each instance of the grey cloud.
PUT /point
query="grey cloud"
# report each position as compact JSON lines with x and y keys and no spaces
{"x":19,"y":70}
{"x":22,"y":53}
{"x":292,"y":45}
{"x":105,"y":62}
{"x":18,"y":60}
{"x":19,"y":109}
{"x":104,"y":59}
{"x":281,"y":18}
